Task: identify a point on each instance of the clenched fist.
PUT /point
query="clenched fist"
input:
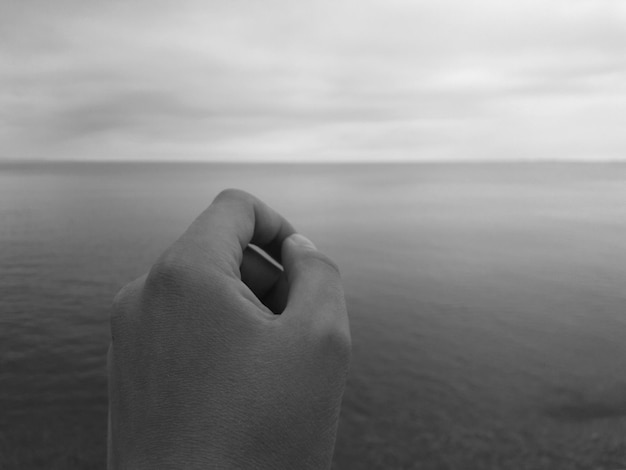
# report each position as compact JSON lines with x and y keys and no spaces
{"x":203,"y":371}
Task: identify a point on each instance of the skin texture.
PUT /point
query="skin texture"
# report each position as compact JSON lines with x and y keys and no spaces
{"x":203,"y":374}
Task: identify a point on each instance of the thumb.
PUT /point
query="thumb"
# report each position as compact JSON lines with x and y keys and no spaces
{"x":314,"y":281}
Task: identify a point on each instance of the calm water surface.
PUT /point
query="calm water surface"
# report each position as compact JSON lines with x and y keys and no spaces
{"x":487,"y":303}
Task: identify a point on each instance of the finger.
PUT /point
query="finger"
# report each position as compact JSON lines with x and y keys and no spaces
{"x":258,"y":272}
{"x":230,"y":223}
{"x":315,"y":292}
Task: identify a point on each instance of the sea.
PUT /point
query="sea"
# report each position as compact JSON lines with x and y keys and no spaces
{"x":487,"y":303}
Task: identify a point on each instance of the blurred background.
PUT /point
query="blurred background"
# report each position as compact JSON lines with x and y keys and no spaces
{"x":461,"y":161}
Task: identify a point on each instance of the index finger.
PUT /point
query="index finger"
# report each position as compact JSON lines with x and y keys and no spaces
{"x":234,"y":220}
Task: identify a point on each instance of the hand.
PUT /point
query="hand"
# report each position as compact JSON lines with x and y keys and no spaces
{"x":203,"y":374}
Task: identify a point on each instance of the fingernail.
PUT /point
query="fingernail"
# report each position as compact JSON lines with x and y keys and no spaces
{"x":302,"y":241}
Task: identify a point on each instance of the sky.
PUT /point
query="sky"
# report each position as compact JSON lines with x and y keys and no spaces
{"x":314,"y":80}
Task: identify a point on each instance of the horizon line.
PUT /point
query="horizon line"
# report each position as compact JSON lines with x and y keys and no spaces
{"x":312,"y":162}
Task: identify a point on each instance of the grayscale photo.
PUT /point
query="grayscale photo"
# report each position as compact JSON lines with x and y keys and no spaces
{"x":347,"y":235}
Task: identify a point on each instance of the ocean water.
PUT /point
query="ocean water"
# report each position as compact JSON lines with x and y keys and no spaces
{"x":487,"y":303}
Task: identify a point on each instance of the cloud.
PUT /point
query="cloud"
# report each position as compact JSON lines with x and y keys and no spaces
{"x":356,"y":80}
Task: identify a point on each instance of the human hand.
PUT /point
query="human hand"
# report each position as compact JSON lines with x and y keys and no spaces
{"x":202,"y":374}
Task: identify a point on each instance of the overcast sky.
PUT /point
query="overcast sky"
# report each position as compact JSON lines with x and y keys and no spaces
{"x":313,"y":80}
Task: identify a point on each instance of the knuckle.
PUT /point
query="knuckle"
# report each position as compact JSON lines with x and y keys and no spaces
{"x":337,"y":342}
{"x":118,"y":311}
{"x":233,"y":194}
{"x":229,"y":198}
{"x":122,"y":304}
{"x":119,"y":299}
{"x":170,"y":272}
